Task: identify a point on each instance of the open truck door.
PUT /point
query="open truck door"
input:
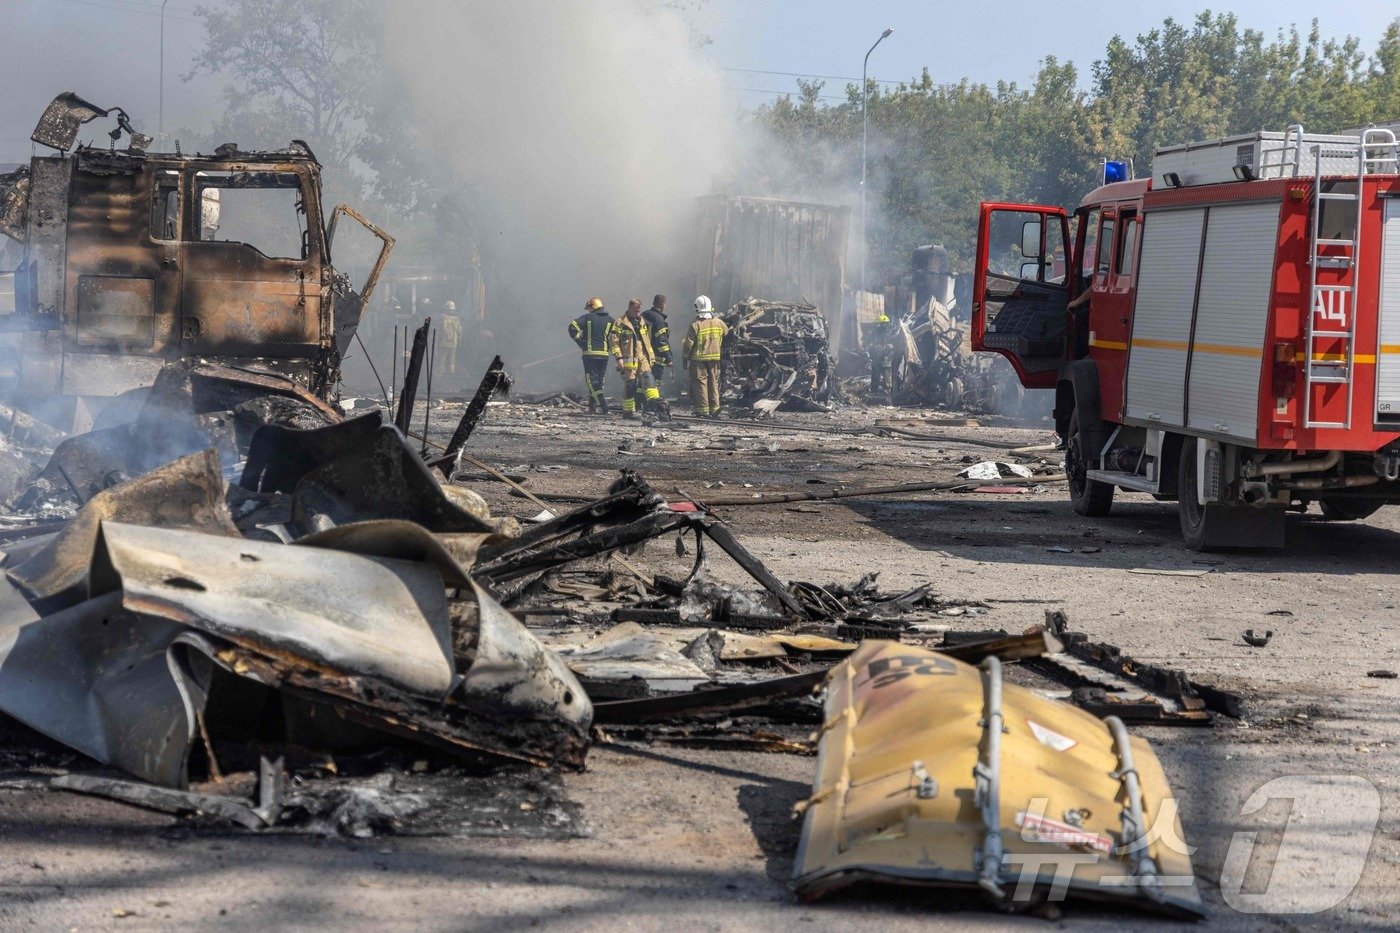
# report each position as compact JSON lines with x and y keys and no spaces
{"x":1019,"y":290}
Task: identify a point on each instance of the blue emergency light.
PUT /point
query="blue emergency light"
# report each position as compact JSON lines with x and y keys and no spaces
{"x":1116,"y":170}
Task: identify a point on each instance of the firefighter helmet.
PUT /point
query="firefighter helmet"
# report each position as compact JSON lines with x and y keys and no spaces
{"x":594,"y":304}
{"x":702,"y":305}
{"x":883,"y":318}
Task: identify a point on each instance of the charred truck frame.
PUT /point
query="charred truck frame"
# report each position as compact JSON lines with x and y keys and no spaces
{"x":1239,"y":350}
{"x":778,"y":350}
{"x":121,"y":268}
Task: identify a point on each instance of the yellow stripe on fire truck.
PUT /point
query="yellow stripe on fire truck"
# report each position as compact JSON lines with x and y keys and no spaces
{"x":1388,"y":349}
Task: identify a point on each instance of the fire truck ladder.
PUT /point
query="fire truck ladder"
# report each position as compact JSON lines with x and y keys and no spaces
{"x":1284,"y":161}
{"x":1332,"y":319}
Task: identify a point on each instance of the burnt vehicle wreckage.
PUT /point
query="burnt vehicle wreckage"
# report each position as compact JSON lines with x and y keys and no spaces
{"x":238,"y":605}
{"x":777,"y":354}
{"x":132,"y":258}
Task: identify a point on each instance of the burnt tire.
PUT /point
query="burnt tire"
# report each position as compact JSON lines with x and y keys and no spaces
{"x":1089,"y":497}
{"x":1347,"y":510}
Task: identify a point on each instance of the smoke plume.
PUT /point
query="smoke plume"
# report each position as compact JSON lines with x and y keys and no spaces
{"x":580,"y":132}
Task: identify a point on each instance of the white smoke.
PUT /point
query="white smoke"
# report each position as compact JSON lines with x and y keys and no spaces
{"x":581,"y":131}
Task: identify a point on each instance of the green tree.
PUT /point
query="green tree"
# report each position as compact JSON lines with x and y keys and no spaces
{"x":936,"y":151}
{"x":295,"y":70}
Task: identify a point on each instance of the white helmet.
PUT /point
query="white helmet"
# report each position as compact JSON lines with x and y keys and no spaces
{"x":702,"y":305}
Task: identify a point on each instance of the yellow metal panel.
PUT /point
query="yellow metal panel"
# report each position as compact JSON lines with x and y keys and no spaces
{"x":895,"y":795}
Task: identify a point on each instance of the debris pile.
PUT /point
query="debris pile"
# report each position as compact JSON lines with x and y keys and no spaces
{"x":936,"y":367}
{"x":778,"y":355}
{"x":319,"y":602}
{"x":263,"y":614}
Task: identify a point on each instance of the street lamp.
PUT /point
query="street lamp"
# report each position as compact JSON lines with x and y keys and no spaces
{"x":160,"y":119}
{"x":864,"y":123}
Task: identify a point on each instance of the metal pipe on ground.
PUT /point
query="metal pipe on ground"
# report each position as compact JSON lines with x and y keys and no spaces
{"x":857,"y":492}
{"x":848,"y":492}
{"x":1011,"y":446}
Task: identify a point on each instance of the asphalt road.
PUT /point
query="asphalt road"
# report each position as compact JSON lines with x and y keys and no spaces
{"x":690,"y":839}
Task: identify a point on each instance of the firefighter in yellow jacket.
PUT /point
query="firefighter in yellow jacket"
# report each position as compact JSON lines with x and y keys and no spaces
{"x":630,"y":344}
{"x":701,"y":352}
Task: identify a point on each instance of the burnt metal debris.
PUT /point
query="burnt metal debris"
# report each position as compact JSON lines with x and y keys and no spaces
{"x":778,"y":355}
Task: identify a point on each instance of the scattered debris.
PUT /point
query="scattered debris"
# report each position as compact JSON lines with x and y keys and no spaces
{"x":1257,"y":641}
{"x":994,"y":469}
{"x":1382,"y":674}
{"x":1163,"y":681}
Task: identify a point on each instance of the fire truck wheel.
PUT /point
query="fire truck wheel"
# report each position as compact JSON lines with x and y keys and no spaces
{"x":1089,"y":497}
{"x":1189,"y":507}
{"x":1347,"y":510}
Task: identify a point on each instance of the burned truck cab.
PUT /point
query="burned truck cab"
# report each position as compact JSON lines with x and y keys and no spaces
{"x":131,"y":259}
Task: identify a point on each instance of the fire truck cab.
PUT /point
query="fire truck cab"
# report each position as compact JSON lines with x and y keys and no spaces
{"x":1225,"y":333}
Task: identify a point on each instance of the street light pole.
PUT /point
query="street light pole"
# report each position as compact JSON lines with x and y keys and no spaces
{"x":864,"y":125}
{"x":160,"y":119}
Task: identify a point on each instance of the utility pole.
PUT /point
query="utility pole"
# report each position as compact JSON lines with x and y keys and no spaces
{"x":160,"y":119}
{"x":864,"y":124}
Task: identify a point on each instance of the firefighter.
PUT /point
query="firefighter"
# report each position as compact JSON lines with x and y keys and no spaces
{"x":882,"y":346}
{"x":592,"y":331}
{"x":655,"y":317}
{"x":630,"y":343}
{"x":701,"y":353}
{"x":451,"y":335}
{"x":402,"y":317}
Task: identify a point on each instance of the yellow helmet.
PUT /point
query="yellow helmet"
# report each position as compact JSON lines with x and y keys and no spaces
{"x":883,"y":318}
{"x":594,"y":304}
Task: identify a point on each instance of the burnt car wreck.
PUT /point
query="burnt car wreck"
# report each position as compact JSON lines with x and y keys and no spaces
{"x":128,"y":259}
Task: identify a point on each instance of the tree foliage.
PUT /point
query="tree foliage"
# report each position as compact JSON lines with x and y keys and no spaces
{"x":303,"y":68}
{"x":937,"y":150}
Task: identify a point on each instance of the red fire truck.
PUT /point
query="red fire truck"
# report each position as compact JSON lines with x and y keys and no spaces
{"x":1225,"y":333}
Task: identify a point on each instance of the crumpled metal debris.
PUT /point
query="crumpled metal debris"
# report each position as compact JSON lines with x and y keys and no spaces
{"x":778,"y":355}
{"x":187,"y":493}
{"x":368,"y":636}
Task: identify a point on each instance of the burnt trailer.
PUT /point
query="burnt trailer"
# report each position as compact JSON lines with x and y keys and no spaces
{"x":126,"y":259}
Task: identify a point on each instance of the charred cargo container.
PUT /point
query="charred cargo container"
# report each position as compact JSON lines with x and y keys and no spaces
{"x":780,"y":251}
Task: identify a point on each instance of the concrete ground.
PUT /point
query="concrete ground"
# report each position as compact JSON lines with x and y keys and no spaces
{"x":691,"y":839}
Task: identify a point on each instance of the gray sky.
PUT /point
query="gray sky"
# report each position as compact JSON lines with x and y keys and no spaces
{"x":107,"y":50}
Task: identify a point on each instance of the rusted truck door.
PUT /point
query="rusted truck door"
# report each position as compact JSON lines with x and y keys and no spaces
{"x":252,"y":266}
{"x":123,"y":288}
